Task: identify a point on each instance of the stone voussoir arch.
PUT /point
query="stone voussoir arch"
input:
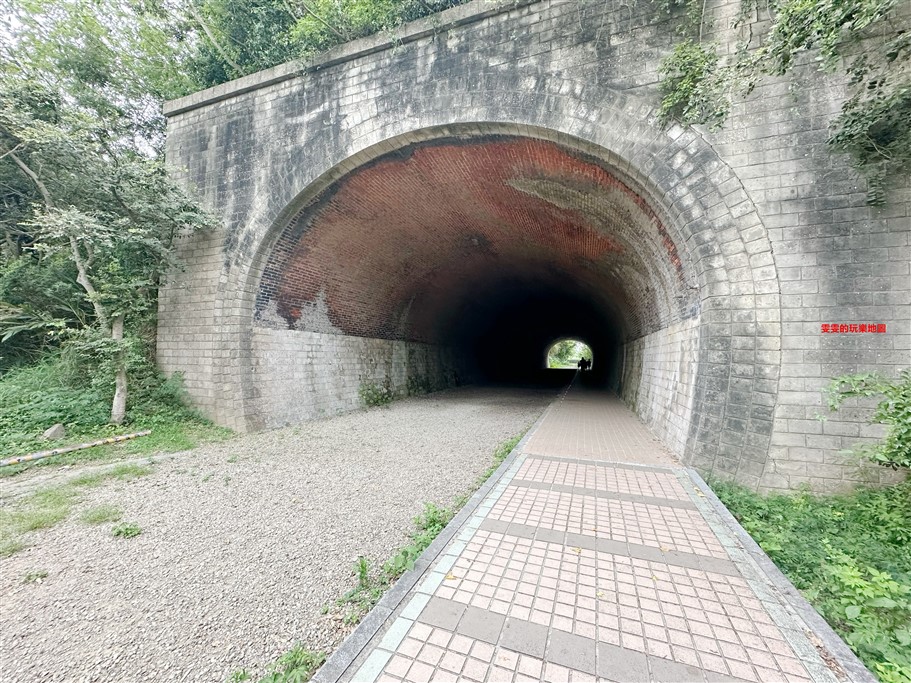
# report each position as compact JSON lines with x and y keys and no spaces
{"x":713,"y":222}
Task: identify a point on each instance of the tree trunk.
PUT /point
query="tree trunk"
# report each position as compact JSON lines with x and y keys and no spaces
{"x":119,"y":407}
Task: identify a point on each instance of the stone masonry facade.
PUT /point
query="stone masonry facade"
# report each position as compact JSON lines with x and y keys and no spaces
{"x":719,"y":254}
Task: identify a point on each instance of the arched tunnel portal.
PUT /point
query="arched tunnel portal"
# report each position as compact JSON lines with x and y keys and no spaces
{"x":461,"y":258}
{"x":488,"y":247}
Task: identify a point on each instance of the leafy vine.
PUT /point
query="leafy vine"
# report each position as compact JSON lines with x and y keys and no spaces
{"x":855,"y":37}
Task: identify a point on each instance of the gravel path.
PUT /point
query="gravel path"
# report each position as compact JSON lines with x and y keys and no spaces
{"x":242,"y":542}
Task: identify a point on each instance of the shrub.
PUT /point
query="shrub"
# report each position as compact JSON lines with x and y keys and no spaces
{"x":376,"y":394}
{"x":872,"y":610}
{"x":850,"y":555}
{"x":893,"y":410}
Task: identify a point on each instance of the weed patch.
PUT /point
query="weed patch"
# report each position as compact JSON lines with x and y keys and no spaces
{"x":373,"y":394}
{"x":295,"y":666}
{"x":50,"y":391}
{"x":850,"y":556}
{"x":102,"y":514}
{"x":127,"y":530}
{"x":34,"y":576}
{"x":46,"y":507}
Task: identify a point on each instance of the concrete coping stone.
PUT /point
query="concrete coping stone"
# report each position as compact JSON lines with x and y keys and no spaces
{"x":454,"y":17}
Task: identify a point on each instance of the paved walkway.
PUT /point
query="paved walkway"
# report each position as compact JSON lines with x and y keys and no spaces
{"x":594,"y":556}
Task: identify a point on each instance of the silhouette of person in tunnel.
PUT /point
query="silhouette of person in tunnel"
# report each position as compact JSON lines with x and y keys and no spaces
{"x":584,"y":364}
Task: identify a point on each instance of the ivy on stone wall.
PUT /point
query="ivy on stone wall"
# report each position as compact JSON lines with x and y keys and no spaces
{"x":857,"y":38}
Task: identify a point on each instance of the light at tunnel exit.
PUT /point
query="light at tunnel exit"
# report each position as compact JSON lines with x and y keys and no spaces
{"x":566,"y":353}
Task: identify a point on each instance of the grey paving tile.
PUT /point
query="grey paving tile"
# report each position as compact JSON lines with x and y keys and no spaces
{"x":525,"y":637}
{"x":581,"y":541}
{"x":481,"y":625}
{"x":604,"y":463}
{"x":609,"y":495}
{"x":521,"y":530}
{"x":608,"y":545}
{"x":549,"y":536}
{"x":647,"y":552}
{"x":442,"y":613}
{"x":570,"y":650}
{"x":666,"y":671}
{"x":719,"y":566}
{"x":494,"y":525}
{"x":622,"y":665}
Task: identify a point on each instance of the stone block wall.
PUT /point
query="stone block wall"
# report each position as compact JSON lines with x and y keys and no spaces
{"x":771,"y":227}
{"x":306,"y":375}
{"x":659,"y":380}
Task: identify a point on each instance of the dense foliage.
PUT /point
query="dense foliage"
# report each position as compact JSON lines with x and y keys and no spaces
{"x":566,"y":353}
{"x":860,"y":39}
{"x":89,"y":214}
{"x":241,"y":37}
{"x":63,"y":387}
{"x":893,"y":410}
{"x":850,"y":556}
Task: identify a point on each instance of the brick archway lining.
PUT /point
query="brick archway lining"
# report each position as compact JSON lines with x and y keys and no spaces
{"x":718,"y":357}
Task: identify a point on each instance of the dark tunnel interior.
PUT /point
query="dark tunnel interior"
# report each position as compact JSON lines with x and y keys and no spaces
{"x":507,"y":331}
{"x":494,"y":247}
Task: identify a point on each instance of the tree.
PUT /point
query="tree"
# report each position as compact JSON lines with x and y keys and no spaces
{"x":566,"y":353}
{"x":239,"y":37}
{"x":80,"y":132}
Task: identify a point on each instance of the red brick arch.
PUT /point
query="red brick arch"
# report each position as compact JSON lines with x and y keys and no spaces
{"x":393,"y":247}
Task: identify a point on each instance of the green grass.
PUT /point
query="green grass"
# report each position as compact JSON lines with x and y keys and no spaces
{"x":49,"y":506}
{"x":102,"y":514}
{"x":850,"y":555}
{"x":34,"y":576}
{"x":127,"y":530}
{"x":50,"y":391}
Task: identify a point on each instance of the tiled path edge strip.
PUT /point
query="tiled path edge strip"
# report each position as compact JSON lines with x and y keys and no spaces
{"x":349,"y":651}
{"x":752,"y":554}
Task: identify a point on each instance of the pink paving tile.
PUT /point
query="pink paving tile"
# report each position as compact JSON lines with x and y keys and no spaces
{"x":742,"y":670}
{"x":790,"y":665}
{"x":699,"y":618}
{"x":482,"y":651}
{"x":475,"y":670}
{"x":530,"y":666}
{"x":452,"y":662}
{"x":598,"y":426}
{"x":430,"y":654}
{"x":398,"y":666}
{"x":410,"y":647}
{"x":556,"y":673}
{"x":506,"y":659}
{"x":419,"y":672}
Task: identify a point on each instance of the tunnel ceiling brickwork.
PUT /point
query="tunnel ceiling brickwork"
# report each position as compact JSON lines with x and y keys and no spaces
{"x":399,"y":248}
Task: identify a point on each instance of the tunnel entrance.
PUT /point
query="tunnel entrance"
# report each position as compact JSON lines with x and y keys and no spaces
{"x":565,"y":354}
{"x":457,"y":260}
